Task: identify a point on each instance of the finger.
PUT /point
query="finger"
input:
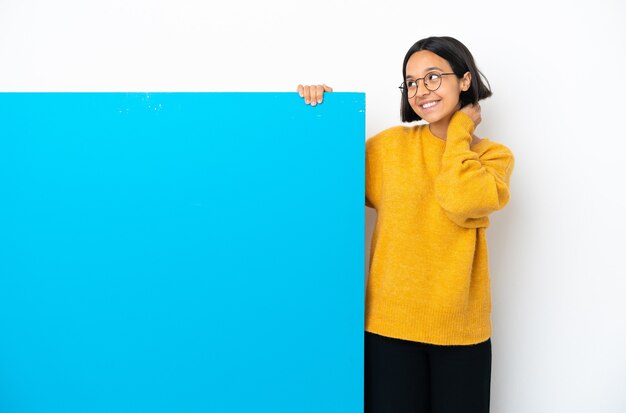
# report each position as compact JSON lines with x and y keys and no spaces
{"x":327,"y":88}
{"x":301,"y":91}
{"x":307,"y":94}
{"x":313,"y":95}
{"x":320,"y":93}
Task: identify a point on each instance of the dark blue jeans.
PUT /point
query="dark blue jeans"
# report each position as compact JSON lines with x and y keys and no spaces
{"x":409,"y":377}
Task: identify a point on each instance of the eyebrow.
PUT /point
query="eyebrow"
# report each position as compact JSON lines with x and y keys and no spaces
{"x":428,"y":69}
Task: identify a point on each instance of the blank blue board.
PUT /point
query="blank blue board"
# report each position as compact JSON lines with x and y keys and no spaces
{"x":181,"y":252}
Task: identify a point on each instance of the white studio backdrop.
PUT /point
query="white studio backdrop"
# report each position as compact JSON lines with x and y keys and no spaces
{"x":556,"y":69}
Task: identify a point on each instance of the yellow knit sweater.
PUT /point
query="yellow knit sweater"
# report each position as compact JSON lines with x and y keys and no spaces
{"x":429,"y":269}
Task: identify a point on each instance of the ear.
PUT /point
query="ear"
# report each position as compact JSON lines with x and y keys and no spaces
{"x":466,"y":81}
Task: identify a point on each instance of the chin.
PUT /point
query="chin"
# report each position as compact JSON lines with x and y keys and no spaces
{"x":430,"y":118}
{"x":436,"y":117}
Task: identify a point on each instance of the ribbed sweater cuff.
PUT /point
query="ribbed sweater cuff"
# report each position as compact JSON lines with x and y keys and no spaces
{"x":463,"y":121}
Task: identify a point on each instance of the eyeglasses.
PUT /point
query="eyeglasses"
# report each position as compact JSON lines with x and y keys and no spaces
{"x":432,"y":81}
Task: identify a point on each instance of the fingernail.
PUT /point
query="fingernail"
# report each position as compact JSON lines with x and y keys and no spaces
{"x":319,"y":100}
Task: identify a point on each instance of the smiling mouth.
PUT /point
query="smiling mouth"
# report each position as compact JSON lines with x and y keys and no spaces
{"x":429,"y":105}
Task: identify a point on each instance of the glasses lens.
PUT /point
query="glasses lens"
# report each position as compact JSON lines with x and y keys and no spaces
{"x":432,"y":81}
{"x":411,"y":88}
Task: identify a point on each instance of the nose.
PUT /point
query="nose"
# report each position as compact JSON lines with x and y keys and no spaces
{"x":421,"y":88}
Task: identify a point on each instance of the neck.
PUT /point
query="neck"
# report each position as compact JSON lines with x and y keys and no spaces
{"x":440,"y":128}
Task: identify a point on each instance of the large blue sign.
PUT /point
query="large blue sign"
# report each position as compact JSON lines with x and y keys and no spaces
{"x":181,"y":252}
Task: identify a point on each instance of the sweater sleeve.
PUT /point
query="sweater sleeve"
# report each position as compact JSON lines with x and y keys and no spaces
{"x":469,"y":187}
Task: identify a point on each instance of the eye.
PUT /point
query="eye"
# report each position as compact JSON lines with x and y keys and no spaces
{"x":433,"y":77}
{"x":411,"y":83}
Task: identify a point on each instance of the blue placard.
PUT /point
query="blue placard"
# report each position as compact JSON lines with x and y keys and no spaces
{"x":181,"y":252}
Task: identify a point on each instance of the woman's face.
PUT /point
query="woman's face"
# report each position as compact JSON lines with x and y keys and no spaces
{"x":438,"y":105}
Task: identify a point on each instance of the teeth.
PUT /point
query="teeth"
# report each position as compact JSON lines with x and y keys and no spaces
{"x":429,"y":105}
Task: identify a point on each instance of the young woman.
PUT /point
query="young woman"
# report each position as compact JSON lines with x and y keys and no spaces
{"x":433,"y":185}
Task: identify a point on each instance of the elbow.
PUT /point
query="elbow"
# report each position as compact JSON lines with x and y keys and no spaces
{"x":467,"y":222}
{"x":474,"y":202}
{"x":474,"y":211}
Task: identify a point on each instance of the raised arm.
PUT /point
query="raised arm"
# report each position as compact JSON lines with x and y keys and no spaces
{"x":469,"y":187}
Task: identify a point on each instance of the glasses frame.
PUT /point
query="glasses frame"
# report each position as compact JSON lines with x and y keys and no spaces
{"x":405,"y":90}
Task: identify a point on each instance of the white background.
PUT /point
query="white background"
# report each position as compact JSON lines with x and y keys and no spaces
{"x":558,"y":72}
